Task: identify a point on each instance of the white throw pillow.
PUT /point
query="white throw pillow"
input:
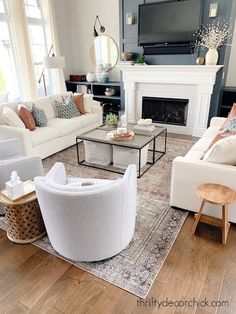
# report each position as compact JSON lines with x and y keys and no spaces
{"x":223,"y":151}
{"x":12,"y":118}
{"x":45,"y":103}
{"x":88,"y":101}
{"x":57,"y":174}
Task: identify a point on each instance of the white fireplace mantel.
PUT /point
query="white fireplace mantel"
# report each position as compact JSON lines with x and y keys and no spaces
{"x":191,"y":82}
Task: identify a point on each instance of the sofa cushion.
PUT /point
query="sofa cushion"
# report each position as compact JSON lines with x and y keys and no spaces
{"x":43,"y":135}
{"x":88,"y":119}
{"x":39,"y":116}
{"x":211,"y":132}
{"x":12,"y":118}
{"x":27,"y":117}
{"x":194,"y":154}
{"x":67,"y":109}
{"x":223,"y":151}
{"x":46,"y":104}
{"x":202,"y":144}
{"x":65,"y":126}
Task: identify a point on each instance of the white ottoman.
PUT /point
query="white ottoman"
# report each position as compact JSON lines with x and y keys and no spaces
{"x":124,"y":156}
{"x":98,"y":153}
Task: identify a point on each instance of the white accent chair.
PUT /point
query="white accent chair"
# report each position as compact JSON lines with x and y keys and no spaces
{"x":88,"y":222}
{"x":11,"y":159}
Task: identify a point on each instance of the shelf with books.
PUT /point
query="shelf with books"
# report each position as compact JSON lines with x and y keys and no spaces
{"x":111,"y":104}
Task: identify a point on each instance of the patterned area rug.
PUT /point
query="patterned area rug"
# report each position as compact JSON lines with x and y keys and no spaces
{"x":157,"y":224}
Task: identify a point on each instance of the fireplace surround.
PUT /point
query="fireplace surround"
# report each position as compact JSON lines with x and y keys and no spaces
{"x":192,"y":82}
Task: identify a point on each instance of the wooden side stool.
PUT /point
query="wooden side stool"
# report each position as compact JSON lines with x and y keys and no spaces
{"x":219,"y":195}
{"x":24,"y":219}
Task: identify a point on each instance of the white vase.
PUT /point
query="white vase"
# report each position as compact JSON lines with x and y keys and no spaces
{"x":90,"y":77}
{"x":211,"y":57}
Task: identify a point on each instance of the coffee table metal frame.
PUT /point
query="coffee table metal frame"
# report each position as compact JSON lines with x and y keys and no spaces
{"x":81,"y":138}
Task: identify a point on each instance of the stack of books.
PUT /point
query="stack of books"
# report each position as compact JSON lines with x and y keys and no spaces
{"x":124,"y":63}
{"x":144,"y":129}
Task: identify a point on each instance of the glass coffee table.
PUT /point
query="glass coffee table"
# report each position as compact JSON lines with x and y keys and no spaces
{"x":138,"y":143}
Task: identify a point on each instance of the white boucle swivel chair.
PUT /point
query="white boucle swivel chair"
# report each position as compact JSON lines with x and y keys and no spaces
{"x":88,"y":222}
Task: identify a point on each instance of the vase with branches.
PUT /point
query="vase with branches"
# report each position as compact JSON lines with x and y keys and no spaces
{"x":212,"y":36}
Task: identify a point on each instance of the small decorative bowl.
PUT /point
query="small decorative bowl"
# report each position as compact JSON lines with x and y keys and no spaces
{"x":110,"y":92}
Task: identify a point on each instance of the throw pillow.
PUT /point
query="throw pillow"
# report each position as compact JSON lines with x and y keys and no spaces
{"x":223,"y":151}
{"x":230,"y":125}
{"x":57,"y":174}
{"x":27,"y":117}
{"x":67,"y":109}
{"x":88,"y":101}
{"x":232,"y":114}
{"x":79,"y":101}
{"x":12,"y":118}
{"x":39,"y":115}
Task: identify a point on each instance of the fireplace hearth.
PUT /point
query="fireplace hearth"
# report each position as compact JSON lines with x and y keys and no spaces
{"x":165,"y":110}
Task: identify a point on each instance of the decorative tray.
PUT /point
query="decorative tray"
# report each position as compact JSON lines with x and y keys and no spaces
{"x":120,"y":137}
{"x":28,"y":188}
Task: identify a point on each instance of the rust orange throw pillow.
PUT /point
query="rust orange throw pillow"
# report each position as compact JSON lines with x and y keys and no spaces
{"x":27,"y":118}
{"x":79,"y":101}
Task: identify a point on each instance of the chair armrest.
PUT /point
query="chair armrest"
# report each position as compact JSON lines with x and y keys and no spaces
{"x":217,"y":122}
{"x":9,"y":147}
{"x":23,"y":135}
{"x":27,"y":168}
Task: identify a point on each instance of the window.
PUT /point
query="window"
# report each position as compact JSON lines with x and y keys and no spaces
{"x":38,"y":40}
{"x":9,"y":85}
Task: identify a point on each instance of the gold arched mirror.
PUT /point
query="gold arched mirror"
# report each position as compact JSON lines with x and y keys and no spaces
{"x":104,"y":51}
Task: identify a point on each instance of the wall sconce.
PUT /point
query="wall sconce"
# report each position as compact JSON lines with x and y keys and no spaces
{"x":129,"y":18}
{"x":102,"y":28}
{"x":213,"y":11}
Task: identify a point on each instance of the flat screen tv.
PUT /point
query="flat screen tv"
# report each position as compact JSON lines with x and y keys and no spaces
{"x":170,"y":22}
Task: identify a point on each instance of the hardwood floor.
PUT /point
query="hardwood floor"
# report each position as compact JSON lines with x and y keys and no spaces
{"x":200,"y":267}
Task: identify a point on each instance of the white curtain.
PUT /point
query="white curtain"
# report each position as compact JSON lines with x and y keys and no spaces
{"x":49,"y":12}
{"x":20,"y":37}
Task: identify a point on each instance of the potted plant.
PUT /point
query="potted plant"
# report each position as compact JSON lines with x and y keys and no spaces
{"x":111,"y":120}
{"x":140,"y":60}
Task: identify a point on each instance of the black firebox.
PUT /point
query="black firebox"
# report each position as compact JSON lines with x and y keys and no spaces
{"x":165,"y":110}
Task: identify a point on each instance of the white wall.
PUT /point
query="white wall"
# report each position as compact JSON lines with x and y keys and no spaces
{"x":231,"y":75}
{"x":75,"y":24}
{"x":64,"y":32}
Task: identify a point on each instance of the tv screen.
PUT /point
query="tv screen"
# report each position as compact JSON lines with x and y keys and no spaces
{"x":168,"y":22}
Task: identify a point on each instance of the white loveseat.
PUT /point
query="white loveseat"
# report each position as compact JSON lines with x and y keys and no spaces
{"x":190,"y":171}
{"x":59,"y":133}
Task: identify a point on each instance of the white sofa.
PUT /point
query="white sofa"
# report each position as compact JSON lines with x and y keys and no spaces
{"x":190,"y":171}
{"x":88,"y":222}
{"x":59,"y":133}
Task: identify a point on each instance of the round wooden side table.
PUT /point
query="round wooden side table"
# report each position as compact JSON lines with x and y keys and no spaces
{"x":24,"y":219}
{"x":219,"y":195}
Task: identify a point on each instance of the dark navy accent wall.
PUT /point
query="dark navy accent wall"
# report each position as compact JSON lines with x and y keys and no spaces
{"x":129,"y":39}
